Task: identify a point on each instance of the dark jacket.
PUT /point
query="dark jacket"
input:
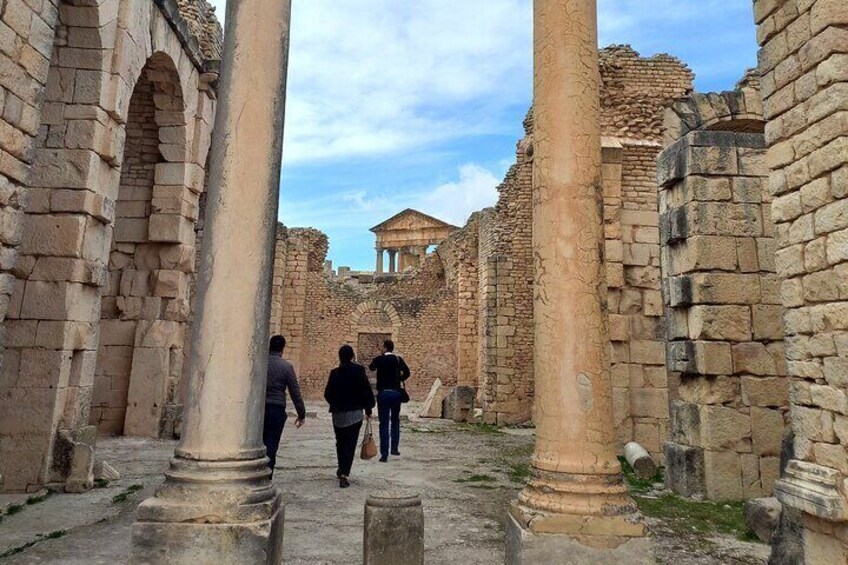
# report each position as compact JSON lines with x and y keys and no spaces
{"x":391,"y":371}
{"x":281,"y":377}
{"x":348,"y":389}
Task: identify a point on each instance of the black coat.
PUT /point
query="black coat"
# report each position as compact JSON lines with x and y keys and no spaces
{"x":391,"y":371}
{"x":348,"y":389}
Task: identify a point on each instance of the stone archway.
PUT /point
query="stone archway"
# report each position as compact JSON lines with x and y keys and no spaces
{"x":372,"y":322}
{"x":145,"y":298}
{"x":55,"y":311}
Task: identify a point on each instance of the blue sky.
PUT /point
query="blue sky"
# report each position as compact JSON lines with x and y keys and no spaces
{"x":395,"y":104}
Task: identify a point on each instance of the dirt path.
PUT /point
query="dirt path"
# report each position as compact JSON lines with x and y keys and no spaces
{"x":466,"y":475}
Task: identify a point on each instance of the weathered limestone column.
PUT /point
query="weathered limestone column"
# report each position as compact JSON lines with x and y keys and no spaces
{"x":379,"y":261}
{"x":576,"y":508}
{"x":392,"y":263}
{"x":217,"y":504}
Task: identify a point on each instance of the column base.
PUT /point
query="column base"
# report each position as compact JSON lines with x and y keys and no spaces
{"x":227,"y":513}
{"x":575,"y":540}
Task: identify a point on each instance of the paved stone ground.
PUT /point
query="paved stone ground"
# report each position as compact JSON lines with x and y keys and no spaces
{"x":466,"y":475}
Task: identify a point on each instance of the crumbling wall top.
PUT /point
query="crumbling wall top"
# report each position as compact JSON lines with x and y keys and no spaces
{"x":198,"y":28}
{"x":636,"y":90}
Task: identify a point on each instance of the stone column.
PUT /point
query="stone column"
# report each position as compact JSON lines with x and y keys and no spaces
{"x":217,"y":504}
{"x":422,"y":254}
{"x":392,"y":258}
{"x":576,"y":508}
{"x":379,"y":261}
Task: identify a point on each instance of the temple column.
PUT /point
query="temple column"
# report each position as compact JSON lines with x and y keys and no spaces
{"x":422,"y":254}
{"x":379,"y":261}
{"x":576,"y":508}
{"x":392,"y":263}
{"x":217,"y":504}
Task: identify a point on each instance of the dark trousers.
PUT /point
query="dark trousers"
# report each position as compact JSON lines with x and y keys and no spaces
{"x":388,"y":408}
{"x":346,"y":440}
{"x":275,"y":420}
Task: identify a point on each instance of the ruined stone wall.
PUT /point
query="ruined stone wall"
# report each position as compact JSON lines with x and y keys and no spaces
{"x":634,"y":94}
{"x":64,"y":54}
{"x":418,"y":310}
{"x":724,"y":315}
{"x":805,"y":90}
{"x":506,"y":295}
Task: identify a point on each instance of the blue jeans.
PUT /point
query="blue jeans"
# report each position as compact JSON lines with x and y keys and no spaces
{"x":388,"y":409}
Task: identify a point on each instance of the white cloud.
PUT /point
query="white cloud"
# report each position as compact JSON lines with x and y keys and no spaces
{"x":355,"y":211}
{"x":375,"y":77}
{"x":379,"y":77}
{"x":455,"y":201}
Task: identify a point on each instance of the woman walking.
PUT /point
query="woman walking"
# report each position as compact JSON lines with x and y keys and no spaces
{"x":349,"y":395}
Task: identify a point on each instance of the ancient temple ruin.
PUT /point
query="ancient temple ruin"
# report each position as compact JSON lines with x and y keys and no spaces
{"x":406,"y":237}
{"x":718,"y":310}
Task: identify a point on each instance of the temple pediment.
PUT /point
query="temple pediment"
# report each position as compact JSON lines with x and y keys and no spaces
{"x":411,"y":219}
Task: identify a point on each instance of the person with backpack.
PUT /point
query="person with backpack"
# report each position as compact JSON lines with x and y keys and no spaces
{"x":392,"y":372}
{"x":349,"y":394}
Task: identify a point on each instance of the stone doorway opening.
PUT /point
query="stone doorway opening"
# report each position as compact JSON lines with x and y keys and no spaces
{"x":144,"y":299}
{"x":368,"y":347}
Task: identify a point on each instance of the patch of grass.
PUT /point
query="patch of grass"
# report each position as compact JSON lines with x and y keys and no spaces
{"x":686,"y":516}
{"x":519,"y":472}
{"x":476,"y":479}
{"x":482,"y":428}
{"x":101,"y":483}
{"x":21,"y":548}
{"x":38,"y":498}
{"x":14,"y":509}
{"x":124,"y":496}
{"x":636,"y":484}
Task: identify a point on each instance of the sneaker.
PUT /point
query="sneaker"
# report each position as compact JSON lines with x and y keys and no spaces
{"x":396,"y":453}
{"x":383,"y":459}
{"x":343,"y":482}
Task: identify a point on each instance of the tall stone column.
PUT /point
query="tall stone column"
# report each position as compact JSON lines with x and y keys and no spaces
{"x":576,"y":508}
{"x":379,"y":261}
{"x":217,"y":504}
{"x":392,"y":259}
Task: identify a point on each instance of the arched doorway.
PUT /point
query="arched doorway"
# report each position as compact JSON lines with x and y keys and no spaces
{"x":145,"y":297}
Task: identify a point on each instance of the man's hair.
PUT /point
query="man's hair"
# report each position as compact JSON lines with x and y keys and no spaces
{"x":278,"y":343}
{"x":346,"y":354}
{"x":389,"y":345}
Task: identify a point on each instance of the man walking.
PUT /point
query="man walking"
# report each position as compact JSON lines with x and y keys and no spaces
{"x":392,"y":371}
{"x":281,"y":377}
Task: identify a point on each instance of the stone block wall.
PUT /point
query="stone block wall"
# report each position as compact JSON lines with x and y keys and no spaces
{"x":505,"y":300}
{"x":723,"y":317}
{"x":97,"y":52}
{"x":804,"y":65}
{"x":634,"y":94}
{"x":26,"y":47}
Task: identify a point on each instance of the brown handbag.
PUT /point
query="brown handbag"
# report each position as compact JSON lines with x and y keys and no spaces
{"x":369,"y":446}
